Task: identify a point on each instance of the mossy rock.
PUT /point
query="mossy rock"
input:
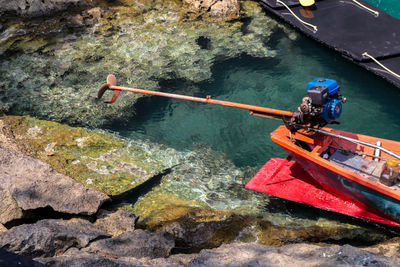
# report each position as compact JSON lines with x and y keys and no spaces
{"x":206,"y":192}
{"x":94,"y":158}
{"x":193,"y":226}
{"x":53,"y":68}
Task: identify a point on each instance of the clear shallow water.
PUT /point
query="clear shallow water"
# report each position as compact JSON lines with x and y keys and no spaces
{"x":372,"y":107}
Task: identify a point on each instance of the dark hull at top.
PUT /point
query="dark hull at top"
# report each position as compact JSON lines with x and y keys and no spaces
{"x":350,"y":29}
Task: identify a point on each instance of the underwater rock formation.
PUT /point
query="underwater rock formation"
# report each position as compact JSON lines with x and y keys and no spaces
{"x":201,"y":200}
{"x":49,"y":72}
{"x":93,"y":158}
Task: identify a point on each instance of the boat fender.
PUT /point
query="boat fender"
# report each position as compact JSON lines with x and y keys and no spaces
{"x":306,"y":3}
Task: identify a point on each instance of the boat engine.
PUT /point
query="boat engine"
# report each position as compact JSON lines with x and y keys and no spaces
{"x":321,"y":106}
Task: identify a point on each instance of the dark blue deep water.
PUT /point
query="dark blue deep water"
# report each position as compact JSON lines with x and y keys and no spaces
{"x":373,"y":105}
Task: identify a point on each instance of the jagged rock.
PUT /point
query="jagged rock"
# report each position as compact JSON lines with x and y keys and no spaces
{"x":7,"y":139}
{"x":137,"y":244}
{"x":2,"y":228}
{"x":96,"y":159}
{"x":37,"y":7}
{"x":176,"y":260}
{"x":251,"y":254}
{"x":10,"y":260}
{"x":82,"y":259}
{"x":34,"y":184}
{"x":226,"y":9}
{"x":198,"y":228}
{"x":76,"y":258}
{"x":116,"y":223}
{"x":321,"y":230}
{"x":390,"y":248}
{"x":48,"y":237}
{"x":9,"y":209}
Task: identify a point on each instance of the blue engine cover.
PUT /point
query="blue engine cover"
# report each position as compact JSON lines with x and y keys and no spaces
{"x":332,"y":110}
{"x":333,"y":87}
{"x":330,"y":101}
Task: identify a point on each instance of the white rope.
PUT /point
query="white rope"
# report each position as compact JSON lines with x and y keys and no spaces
{"x":315,"y":29}
{"x":380,"y":64}
{"x":367,"y":8}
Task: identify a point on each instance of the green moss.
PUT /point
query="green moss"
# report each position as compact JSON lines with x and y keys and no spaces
{"x":157,"y":207}
{"x":159,"y":211}
{"x":277,"y":235}
{"x":141,"y":42}
{"x":96,"y":159}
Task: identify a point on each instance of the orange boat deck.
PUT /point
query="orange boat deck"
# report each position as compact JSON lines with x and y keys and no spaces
{"x":367,"y":175}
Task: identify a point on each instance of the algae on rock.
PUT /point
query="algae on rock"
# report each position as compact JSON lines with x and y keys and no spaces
{"x":202,"y":201}
{"x":56,"y":76}
{"x":94,"y":158}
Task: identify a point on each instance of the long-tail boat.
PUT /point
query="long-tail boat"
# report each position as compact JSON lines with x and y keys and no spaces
{"x":339,"y":171}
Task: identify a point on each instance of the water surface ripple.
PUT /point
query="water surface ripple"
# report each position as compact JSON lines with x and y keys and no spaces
{"x":372,"y":107}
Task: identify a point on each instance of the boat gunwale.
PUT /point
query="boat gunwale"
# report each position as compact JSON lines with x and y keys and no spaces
{"x":285,"y":142}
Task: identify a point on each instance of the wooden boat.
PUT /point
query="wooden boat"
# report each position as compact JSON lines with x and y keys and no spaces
{"x":345,"y":169}
{"x":333,"y":170}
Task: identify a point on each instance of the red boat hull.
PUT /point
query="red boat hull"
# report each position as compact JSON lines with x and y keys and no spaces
{"x":288,"y":180}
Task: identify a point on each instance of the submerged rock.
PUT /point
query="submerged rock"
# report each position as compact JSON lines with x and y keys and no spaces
{"x":195,"y":228}
{"x":317,"y":231}
{"x":291,"y":255}
{"x":203,"y":203}
{"x":48,"y":237}
{"x":137,"y":244}
{"x":141,"y":42}
{"x":93,"y":158}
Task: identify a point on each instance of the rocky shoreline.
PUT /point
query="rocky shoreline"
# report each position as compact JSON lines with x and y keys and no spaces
{"x":70,"y":196}
{"x":54,"y":220}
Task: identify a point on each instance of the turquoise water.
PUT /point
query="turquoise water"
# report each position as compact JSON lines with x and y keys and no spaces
{"x":389,"y":6}
{"x":372,"y":107}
